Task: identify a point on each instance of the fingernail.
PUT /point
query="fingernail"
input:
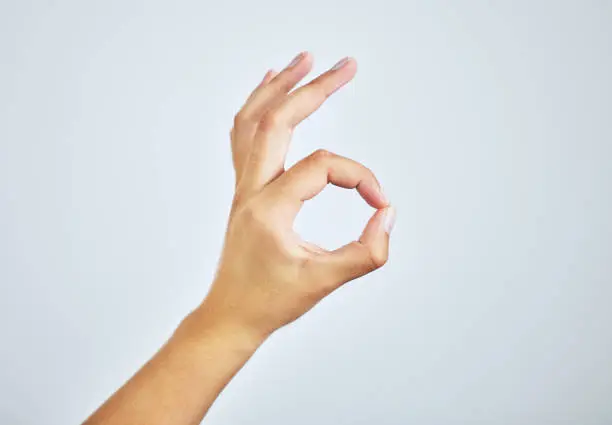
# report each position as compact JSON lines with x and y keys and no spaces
{"x":266,"y":76}
{"x":383,"y":197}
{"x":389,"y":220}
{"x":340,"y":64}
{"x":295,"y":60}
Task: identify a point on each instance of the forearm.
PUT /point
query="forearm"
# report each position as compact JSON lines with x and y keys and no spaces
{"x":179,"y":384}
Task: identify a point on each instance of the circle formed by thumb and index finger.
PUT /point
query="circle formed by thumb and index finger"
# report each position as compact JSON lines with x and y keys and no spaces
{"x":308,"y":177}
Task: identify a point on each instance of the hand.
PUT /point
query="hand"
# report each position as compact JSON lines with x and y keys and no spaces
{"x":268,"y":276}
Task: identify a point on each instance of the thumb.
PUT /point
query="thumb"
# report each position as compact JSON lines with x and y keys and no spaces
{"x":369,"y":253}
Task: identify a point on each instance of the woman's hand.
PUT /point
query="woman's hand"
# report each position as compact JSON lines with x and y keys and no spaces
{"x":268,"y":276}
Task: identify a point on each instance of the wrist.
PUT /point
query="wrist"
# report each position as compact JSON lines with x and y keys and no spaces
{"x":208,"y":326}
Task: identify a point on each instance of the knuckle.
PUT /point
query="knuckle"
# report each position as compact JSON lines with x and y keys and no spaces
{"x":377,"y":259}
{"x":270,"y":121}
{"x":253,"y":214}
{"x":238,"y":119}
{"x":368,"y":172}
{"x":374,"y":259}
{"x":284,"y":83}
{"x":242,"y":117}
{"x":321,"y":155}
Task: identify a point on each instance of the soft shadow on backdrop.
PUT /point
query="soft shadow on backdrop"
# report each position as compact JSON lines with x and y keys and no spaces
{"x":488,"y":125}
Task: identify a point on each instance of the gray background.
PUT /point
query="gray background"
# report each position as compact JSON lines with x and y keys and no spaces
{"x":488,"y":124}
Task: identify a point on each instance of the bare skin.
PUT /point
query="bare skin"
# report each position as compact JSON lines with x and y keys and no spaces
{"x":267,"y":275}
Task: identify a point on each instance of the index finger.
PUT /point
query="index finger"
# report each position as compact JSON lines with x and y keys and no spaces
{"x":308,"y":178}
